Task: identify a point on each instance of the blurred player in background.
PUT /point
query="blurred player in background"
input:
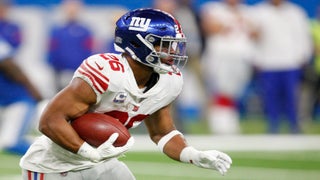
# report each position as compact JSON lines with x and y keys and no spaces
{"x":18,"y":96}
{"x":226,"y":65}
{"x":284,"y":47}
{"x":189,"y":106}
{"x":9,"y":31}
{"x":315,"y":29}
{"x":69,"y":43}
{"x":139,"y":84}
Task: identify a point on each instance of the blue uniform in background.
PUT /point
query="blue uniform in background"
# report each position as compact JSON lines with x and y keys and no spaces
{"x":11,"y":33}
{"x":69,"y":45}
{"x":10,"y":91}
{"x":16,"y":104}
{"x":279,"y":92}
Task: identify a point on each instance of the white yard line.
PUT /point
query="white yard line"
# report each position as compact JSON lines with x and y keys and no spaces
{"x":240,"y":142}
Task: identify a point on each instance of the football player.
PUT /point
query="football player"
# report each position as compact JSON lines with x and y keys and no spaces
{"x":18,"y":99}
{"x":138,"y":84}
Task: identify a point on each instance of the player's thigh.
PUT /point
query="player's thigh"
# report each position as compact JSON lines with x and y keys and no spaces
{"x":112,"y":169}
{"x":121,"y":171}
{"x":29,"y":175}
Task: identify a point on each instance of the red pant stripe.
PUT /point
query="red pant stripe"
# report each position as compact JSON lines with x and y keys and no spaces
{"x":41,"y":176}
{"x":29,"y":175}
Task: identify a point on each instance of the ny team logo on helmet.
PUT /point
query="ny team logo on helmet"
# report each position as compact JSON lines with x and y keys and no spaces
{"x":139,"y":31}
{"x":139,"y":24}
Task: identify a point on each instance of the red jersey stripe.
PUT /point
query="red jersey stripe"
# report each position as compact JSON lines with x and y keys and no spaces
{"x":109,"y":57}
{"x":94,"y":77}
{"x":103,"y":84}
{"x":98,"y":88}
{"x":96,"y":71}
{"x":104,"y":57}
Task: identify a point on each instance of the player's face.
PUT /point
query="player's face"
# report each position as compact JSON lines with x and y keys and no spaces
{"x":165,"y":52}
{"x":170,"y":53}
{"x":168,"y":49}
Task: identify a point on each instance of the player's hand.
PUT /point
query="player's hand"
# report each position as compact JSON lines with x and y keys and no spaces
{"x":213,"y":159}
{"x":107,"y":150}
{"x":210,"y":159}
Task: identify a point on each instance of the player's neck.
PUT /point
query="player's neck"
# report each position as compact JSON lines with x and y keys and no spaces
{"x":142,"y":73}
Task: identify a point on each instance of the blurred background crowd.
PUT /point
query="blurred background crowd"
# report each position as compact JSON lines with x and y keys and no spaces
{"x":254,"y":65}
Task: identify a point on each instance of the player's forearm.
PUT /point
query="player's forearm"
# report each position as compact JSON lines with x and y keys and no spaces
{"x":174,"y":147}
{"x":66,"y":139}
{"x":60,"y":132}
{"x":172,"y":144}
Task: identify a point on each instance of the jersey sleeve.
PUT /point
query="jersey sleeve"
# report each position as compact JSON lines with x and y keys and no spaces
{"x":171,"y":88}
{"x":96,"y":71}
{"x":177,"y":85}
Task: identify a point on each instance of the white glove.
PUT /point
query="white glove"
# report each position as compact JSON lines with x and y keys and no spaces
{"x":105,"y":150}
{"x":210,"y":159}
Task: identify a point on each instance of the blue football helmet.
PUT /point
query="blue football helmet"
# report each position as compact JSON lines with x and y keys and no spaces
{"x":149,"y":35}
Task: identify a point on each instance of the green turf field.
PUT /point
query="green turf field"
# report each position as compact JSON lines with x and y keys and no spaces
{"x":272,"y":165}
{"x":246,"y":166}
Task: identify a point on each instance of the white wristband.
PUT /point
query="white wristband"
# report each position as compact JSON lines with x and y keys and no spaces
{"x":163,"y":141}
{"x":188,"y":154}
{"x":89,"y":152}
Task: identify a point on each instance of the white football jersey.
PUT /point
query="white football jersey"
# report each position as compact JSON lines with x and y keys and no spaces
{"x":118,"y":95}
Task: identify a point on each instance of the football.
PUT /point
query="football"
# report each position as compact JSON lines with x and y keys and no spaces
{"x":96,"y":128}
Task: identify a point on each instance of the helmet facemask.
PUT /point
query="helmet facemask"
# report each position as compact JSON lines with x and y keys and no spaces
{"x":167,"y":53}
